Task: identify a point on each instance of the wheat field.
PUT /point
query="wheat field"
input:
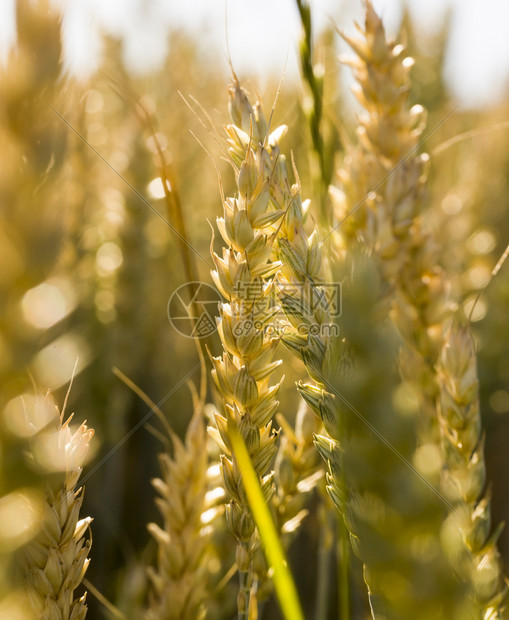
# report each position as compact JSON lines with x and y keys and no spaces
{"x":253,"y":356}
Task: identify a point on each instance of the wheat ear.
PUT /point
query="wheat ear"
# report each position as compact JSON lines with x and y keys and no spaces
{"x":296,"y":467}
{"x":54,"y":563}
{"x":311,"y":303}
{"x":467,"y":531}
{"x":180,"y":581}
{"x":244,"y":277}
{"x":383,"y":183}
{"x":388,"y":170}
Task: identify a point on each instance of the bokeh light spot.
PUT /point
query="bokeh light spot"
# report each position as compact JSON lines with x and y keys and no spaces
{"x":48,"y":303}
{"x":428,"y":459}
{"x":54,"y":363}
{"x":156,"y":188}
{"x":499,"y":401}
{"x":477,"y":277}
{"x":475,"y":308}
{"x":481,"y":242}
{"x":95,"y":101}
{"x":452,"y":204}
{"x":20,"y":513}
{"x":108,"y":258}
{"x":26,"y":414}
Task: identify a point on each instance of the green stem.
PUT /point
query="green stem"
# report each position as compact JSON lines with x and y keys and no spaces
{"x":244,"y":594}
{"x":314,"y":115}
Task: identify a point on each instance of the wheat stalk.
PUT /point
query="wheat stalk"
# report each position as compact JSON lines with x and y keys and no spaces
{"x":54,"y":563}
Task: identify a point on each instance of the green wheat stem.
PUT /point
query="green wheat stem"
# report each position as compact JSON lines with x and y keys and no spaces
{"x":314,"y":81}
{"x":244,"y":590}
{"x":283,"y":580}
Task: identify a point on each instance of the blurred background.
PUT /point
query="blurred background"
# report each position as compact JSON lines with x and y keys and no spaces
{"x":88,"y":260}
{"x":263,"y":39}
